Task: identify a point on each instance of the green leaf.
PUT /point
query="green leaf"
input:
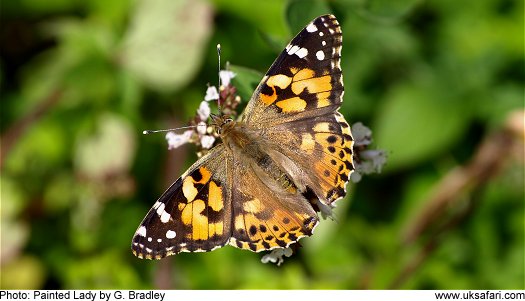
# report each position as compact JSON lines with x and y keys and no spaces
{"x":388,"y":11}
{"x":264,"y":15}
{"x":97,"y":156}
{"x":39,"y":151}
{"x":246,"y":80}
{"x":300,"y":12}
{"x":165,"y":43}
{"x":26,"y":272}
{"x":415,"y":123}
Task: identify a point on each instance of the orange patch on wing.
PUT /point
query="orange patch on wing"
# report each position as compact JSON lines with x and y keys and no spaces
{"x":251,"y":220}
{"x":253,"y":206}
{"x":322,"y":127}
{"x":239,"y":222}
{"x":188,"y":185}
{"x":307,"y":143}
{"x":290,"y":224}
{"x":295,"y":104}
{"x":216,"y":228}
{"x":268,"y":99}
{"x":215,"y":200}
{"x":314,"y":85}
{"x":186,"y":214}
{"x":199,"y":222}
{"x":303,"y":74}
{"x":188,"y":189}
{"x":323,"y":99}
{"x":206,"y":175}
{"x":321,"y":169}
{"x":191,"y":216}
{"x":280,"y":80}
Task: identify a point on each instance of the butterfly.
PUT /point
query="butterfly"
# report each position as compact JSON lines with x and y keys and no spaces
{"x":288,"y":153}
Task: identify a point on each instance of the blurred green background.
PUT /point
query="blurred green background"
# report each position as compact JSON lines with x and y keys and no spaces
{"x":433,"y":80}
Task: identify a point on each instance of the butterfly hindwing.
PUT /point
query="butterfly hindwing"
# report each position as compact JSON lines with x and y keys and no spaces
{"x":192,"y":215}
{"x":266,"y":215}
{"x":326,"y":151}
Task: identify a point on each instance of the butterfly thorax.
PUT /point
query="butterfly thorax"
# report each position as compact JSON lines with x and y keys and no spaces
{"x":251,"y":149}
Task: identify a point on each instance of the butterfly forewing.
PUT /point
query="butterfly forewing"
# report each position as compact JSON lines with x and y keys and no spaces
{"x":192,"y":215}
{"x":305,"y":80}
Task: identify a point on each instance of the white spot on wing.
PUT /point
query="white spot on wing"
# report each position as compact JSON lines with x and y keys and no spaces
{"x":321,"y":33}
{"x":302,"y":53}
{"x":215,"y":248}
{"x":141,"y":231}
{"x":311,"y":28}
{"x":150,"y":239}
{"x":165,"y":217}
{"x":170,"y":234}
{"x":160,"y":209}
{"x":293,"y":49}
{"x":323,"y":43}
{"x":159,"y":240}
{"x":320,"y":55}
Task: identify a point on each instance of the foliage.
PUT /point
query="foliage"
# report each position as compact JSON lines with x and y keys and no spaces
{"x":81,"y":79}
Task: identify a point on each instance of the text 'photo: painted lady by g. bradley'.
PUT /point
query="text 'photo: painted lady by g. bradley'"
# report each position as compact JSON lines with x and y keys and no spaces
{"x":91,"y":295}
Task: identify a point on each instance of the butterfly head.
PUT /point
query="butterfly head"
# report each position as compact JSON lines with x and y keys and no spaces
{"x":222,"y":123}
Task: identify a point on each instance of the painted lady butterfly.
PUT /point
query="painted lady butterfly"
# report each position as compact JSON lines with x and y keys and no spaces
{"x":288,"y":154}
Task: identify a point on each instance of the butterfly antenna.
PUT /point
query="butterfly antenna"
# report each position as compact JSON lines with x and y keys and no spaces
{"x":219,"y":75}
{"x":147,"y":132}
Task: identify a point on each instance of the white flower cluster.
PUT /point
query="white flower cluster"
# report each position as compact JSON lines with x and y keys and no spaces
{"x":176,"y":140}
{"x":276,"y":255}
{"x":367,"y":160}
{"x":201,"y":133}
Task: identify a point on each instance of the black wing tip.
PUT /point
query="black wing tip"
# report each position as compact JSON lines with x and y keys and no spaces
{"x":330,"y":17}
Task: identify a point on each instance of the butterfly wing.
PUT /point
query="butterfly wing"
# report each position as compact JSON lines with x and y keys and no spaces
{"x":193,"y":215}
{"x":305,"y":79}
{"x":325,"y":143}
{"x":267,"y":215}
{"x":297,"y":101}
